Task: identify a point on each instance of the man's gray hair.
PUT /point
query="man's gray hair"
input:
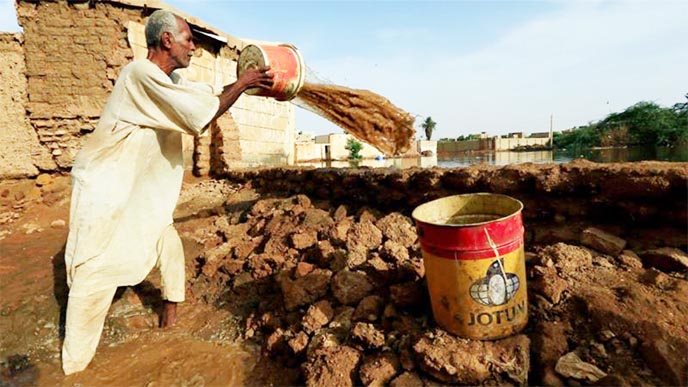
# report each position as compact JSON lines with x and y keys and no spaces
{"x":160,"y":21}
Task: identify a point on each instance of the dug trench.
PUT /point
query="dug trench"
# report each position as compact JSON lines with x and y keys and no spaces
{"x":315,"y":277}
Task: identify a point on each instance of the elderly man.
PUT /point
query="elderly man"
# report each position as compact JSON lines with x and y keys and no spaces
{"x":127,"y":179}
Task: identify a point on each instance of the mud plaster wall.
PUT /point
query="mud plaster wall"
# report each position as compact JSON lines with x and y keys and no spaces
{"x":74,"y":53}
{"x":22,"y":154}
{"x":266,"y":129}
{"x":628,"y":196}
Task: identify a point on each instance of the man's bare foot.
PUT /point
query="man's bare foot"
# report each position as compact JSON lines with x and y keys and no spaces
{"x":169,"y":314}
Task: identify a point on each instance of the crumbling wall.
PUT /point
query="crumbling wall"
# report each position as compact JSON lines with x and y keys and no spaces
{"x":225,"y":146}
{"x":628,"y":195}
{"x":74,"y":53}
{"x":333,"y":282}
{"x":22,"y":154}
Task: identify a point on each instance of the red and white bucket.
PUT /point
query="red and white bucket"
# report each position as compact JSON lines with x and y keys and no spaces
{"x":285,"y":63}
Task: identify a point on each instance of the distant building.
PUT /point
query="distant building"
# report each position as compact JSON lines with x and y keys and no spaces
{"x":304,"y":137}
{"x":333,"y":147}
{"x":481,"y":142}
{"x":505,"y":144}
{"x":539,"y":135}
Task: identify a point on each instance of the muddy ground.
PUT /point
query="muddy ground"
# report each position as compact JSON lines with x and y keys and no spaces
{"x":315,"y":277}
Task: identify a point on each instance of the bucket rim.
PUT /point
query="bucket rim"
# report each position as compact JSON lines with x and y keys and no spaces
{"x":503,"y":218}
{"x":240,"y":69}
{"x":263,"y":54}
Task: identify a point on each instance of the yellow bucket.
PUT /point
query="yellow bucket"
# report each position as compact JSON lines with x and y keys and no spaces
{"x":474,"y":264}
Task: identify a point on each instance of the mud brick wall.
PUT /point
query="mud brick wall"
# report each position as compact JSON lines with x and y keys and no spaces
{"x":629,"y":196}
{"x":220,"y":148}
{"x":225,"y":148}
{"x":73,"y":54}
{"x":22,"y":154}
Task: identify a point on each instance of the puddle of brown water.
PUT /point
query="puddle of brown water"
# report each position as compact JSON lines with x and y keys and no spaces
{"x":158,"y":359}
{"x":200,"y":351}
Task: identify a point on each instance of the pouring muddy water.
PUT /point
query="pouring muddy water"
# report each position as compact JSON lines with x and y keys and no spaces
{"x":361,"y":113}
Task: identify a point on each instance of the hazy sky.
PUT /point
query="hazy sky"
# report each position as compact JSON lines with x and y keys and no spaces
{"x":473,"y":66}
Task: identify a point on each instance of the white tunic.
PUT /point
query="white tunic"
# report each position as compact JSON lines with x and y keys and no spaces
{"x":127,"y":177}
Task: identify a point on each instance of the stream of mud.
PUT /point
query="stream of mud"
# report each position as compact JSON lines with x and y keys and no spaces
{"x":365,"y":115}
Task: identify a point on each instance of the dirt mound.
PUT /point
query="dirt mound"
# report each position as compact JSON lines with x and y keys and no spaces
{"x":342,"y":297}
{"x":335,"y":294}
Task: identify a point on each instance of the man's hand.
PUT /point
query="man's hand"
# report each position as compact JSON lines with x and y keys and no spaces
{"x":256,"y":77}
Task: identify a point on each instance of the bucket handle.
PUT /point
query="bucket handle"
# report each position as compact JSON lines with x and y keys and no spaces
{"x":494,"y":249}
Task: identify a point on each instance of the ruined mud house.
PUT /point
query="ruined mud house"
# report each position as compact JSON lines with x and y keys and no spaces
{"x":55,"y":78}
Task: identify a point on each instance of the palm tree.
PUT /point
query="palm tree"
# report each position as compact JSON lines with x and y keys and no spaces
{"x":429,"y":126}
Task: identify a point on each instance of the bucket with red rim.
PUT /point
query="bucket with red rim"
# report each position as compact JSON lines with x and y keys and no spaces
{"x":286,"y":64}
{"x":473,"y":254}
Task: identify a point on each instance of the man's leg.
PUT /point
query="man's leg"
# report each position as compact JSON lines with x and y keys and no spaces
{"x":84,"y":324}
{"x":171,"y":265}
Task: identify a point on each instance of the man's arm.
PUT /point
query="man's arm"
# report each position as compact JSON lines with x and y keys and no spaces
{"x":248,"y":79}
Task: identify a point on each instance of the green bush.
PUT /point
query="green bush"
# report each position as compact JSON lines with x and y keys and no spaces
{"x":644,"y":123}
{"x":354,"y":147}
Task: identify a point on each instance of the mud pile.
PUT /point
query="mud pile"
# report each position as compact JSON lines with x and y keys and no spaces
{"x":341,"y":296}
{"x":365,"y":115}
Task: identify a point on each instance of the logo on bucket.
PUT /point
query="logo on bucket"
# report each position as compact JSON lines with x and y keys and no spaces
{"x":496,"y":288}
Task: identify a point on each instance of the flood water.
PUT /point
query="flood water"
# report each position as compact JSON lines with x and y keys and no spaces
{"x":606,"y":155}
{"x":463,"y":159}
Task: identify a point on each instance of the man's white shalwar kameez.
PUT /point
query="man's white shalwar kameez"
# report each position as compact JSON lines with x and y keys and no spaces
{"x":126,"y":183}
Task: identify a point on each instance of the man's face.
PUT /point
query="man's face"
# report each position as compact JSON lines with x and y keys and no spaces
{"x":182,"y":46}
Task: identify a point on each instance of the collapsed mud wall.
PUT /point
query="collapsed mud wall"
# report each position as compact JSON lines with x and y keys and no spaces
{"x":22,"y":154}
{"x":73,"y":54}
{"x":627,"y":196}
{"x":327,"y":269}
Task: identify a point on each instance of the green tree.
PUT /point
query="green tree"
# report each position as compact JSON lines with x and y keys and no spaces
{"x":354,"y":147}
{"x":644,"y":123}
{"x":429,"y":126}
{"x":647,"y":123}
{"x":680,"y":133}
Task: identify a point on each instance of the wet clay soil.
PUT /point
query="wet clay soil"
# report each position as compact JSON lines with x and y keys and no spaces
{"x":202,"y":349}
{"x":297,"y":291}
{"x":364,"y":114}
